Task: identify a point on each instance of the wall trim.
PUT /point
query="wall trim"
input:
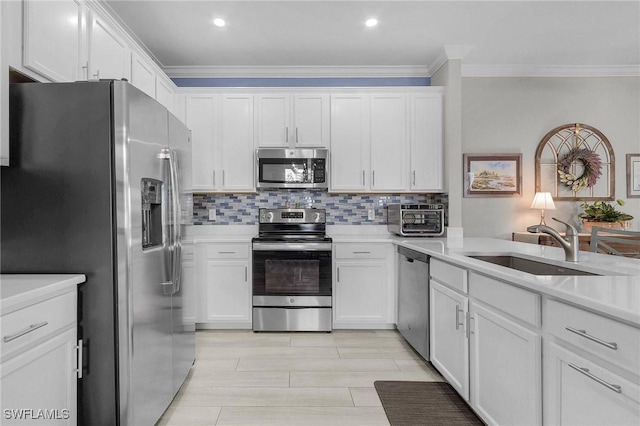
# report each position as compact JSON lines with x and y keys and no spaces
{"x":550,"y":71}
{"x":293,"y":71}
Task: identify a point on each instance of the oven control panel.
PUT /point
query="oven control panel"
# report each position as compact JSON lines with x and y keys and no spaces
{"x":292,"y":216}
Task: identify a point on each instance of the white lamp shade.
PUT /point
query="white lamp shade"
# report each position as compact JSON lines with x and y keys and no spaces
{"x":543,"y":200}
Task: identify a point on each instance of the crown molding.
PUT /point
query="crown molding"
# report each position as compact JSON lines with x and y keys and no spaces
{"x":295,"y":71}
{"x":550,"y":71}
{"x":447,"y":53}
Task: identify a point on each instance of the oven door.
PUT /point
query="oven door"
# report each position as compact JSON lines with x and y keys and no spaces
{"x":429,"y":222}
{"x":291,"y":272}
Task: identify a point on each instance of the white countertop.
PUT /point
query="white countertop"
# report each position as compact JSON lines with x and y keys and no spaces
{"x":18,"y":290}
{"x":614,"y":295}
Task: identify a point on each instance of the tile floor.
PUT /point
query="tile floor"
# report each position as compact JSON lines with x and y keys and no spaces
{"x":246,"y":378}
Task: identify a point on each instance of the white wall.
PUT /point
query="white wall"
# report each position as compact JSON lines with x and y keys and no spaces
{"x":512,"y":115}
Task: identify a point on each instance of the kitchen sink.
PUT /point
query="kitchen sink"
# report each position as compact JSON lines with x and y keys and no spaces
{"x":529,"y":266}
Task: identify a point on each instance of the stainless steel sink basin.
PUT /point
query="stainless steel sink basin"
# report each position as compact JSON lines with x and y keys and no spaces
{"x":529,"y":266}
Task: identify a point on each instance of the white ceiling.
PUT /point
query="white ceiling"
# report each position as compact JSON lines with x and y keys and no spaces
{"x":327,"y":37}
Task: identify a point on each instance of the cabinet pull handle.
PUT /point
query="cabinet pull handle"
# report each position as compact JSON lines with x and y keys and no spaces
{"x":585,"y":371}
{"x":583,"y":333}
{"x":245,"y":274}
{"x":85,"y":71}
{"x":226,"y":252}
{"x":223,"y":176}
{"x":296,"y":135}
{"x":414,"y":178}
{"x":97,"y":75}
{"x":32,"y":327}
{"x":469,"y":319}
{"x":458,"y":310}
{"x":78,"y":368}
{"x":214,"y":177}
{"x":363,"y":178}
{"x":338,"y":274}
{"x":361,"y":252}
{"x":286,"y":134}
{"x":373,"y":178}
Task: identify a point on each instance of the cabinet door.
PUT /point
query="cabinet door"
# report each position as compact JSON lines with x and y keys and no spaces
{"x":349,"y":142}
{"x":273,"y":127}
{"x":164,"y":94}
{"x":360,"y":292}
{"x":142,"y":75}
{"x":236,"y":145}
{"x":201,"y":113}
{"x":228,"y":291}
{"x":426,"y":161}
{"x":4,"y":94}
{"x":311,"y":121}
{"x":505,"y":369}
{"x":109,"y":54}
{"x":43,"y":377}
{"x":580,"y":392}
{"x":388,"y":143}
{"x":448,"y":340}
{"x":53,"y":38}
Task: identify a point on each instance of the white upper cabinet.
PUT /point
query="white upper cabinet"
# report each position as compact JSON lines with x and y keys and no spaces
{"x":200,"y":118}
{"x":236,"y":143}
{"x":164,"y":95}
{"x":273,"y":119}
{"x":388,"y":142}
{"x":286,"y":120}
{"x":311,"y":114}
{"x":349,"y":142}
{"x":54,"y":39}
{"x":426,"y":159}
{"x":4,"y":98}
{"x":142,"y":75}
{"x":109,"y":54}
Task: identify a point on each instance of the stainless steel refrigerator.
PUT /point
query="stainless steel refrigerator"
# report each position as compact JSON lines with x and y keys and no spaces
{"x":100,"y":184}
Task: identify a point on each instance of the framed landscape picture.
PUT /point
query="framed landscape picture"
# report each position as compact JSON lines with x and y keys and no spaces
{"x":492,"y":175}
{"x":633,"y":175}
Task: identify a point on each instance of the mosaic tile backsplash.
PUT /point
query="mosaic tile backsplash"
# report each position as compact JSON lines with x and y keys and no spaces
{"x":342,"y":209}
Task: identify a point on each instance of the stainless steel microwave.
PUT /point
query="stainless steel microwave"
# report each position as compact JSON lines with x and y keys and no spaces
{"x":292,"y":168}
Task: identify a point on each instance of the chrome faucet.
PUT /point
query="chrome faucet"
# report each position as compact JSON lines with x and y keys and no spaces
{"x":570,"y":244}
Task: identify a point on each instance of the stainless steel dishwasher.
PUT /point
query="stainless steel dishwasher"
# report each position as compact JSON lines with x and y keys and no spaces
{"x":413,"y":299}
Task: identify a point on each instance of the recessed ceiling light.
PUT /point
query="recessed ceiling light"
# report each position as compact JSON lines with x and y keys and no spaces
{"x":219,"y":22}
{"x":371,"y":22}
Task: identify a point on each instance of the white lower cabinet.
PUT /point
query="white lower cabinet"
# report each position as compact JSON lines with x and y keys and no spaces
{"x":505,"y":369}
{"x":449,"y":346}
{"x":364,"y":285}
{"x":40,"y":359}
{"x":579,"y":391}
{"x":223,"y":278}
{"x":591,"y":372}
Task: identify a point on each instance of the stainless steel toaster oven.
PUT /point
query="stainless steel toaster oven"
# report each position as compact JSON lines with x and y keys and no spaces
{"x":416,"y":219}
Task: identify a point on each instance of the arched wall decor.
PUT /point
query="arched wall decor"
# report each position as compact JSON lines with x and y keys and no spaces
{"x":576,"y":162}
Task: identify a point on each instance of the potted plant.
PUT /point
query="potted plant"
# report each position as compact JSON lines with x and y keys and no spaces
{"x":603,"y":214}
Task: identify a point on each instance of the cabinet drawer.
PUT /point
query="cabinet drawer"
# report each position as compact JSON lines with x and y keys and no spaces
{"x":449,"y":274}
{"x":227,"y":251}
{"x":601,"y":336}
{"x":360,"y":251}
{"x":520,"y":303}
{"x":29,"y":324}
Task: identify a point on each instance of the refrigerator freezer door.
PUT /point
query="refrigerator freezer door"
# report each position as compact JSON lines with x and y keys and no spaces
{"x":183,"y":301}
{"x":145,"y":285}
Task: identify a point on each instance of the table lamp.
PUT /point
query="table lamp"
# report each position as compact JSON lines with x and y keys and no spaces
{"x":543,"y":201}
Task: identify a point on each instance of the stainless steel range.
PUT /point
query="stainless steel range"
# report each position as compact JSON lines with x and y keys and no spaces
{"x":292,"y":271}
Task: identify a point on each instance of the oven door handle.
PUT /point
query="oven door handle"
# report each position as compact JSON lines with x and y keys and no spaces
{"x":291,"y":246}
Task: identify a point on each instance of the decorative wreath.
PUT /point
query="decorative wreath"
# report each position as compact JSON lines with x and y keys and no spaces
{"x":592,"y":169}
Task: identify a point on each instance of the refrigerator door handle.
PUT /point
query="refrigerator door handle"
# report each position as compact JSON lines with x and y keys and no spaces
{"x":176,"y":264}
